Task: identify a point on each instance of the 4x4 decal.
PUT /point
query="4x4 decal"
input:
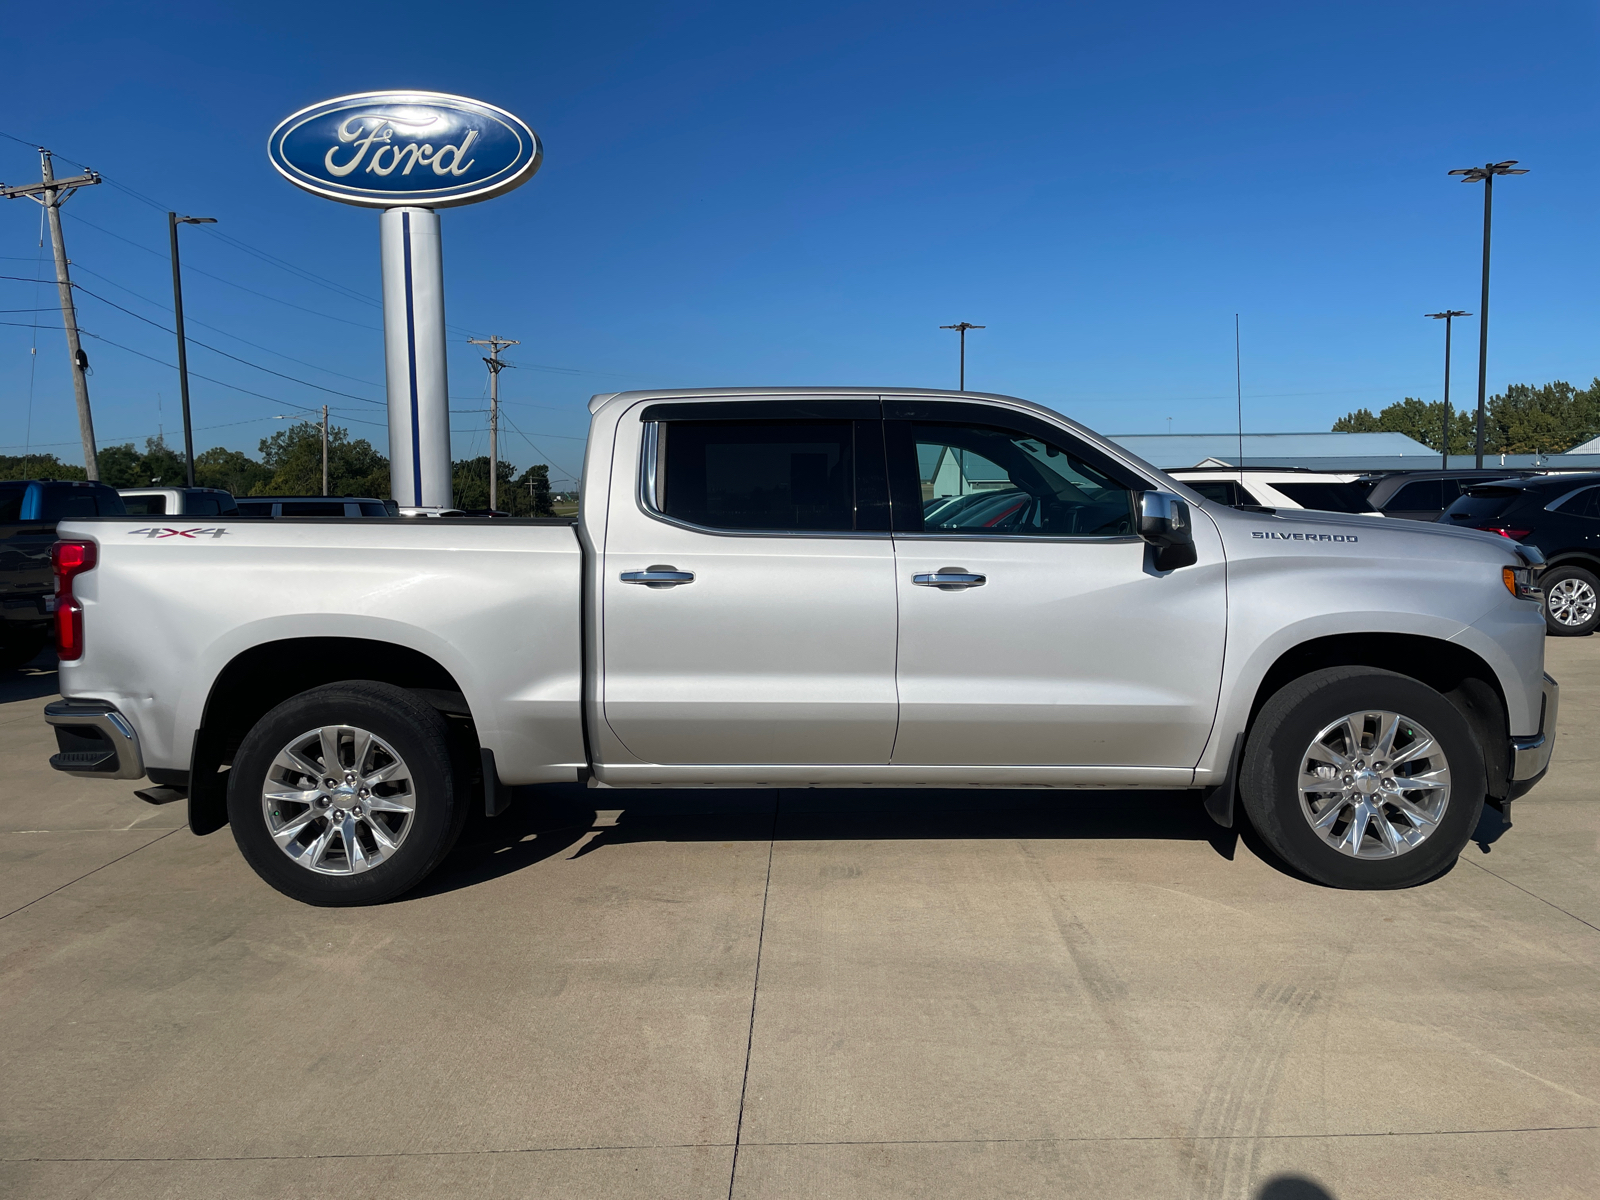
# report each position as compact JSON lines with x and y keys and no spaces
{"x":161,"y":531}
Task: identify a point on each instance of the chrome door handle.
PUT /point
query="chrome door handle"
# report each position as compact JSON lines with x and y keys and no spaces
{"x":658,"y":577}
{"x":950,"y":579}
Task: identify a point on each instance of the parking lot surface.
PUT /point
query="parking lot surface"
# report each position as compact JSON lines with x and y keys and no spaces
{"x":800,"y":993}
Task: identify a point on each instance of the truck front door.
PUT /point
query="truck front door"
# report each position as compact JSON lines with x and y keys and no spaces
{"x":1033,"y":629}
{"x":748,"y":588}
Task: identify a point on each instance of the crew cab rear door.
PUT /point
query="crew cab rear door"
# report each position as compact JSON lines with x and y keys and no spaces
{"x":747,"y":589}
{"x":1034,"y":630}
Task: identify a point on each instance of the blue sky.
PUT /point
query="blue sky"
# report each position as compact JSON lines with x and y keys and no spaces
{"x":742,"y":194}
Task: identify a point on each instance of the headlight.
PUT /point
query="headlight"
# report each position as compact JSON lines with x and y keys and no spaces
{"x":1521,"y":583}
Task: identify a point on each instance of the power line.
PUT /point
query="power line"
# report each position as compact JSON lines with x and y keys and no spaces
{"x":225,"y":354}
{"x":218,"y":329}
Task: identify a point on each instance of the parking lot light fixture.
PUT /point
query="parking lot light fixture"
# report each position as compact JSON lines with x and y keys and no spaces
{"x":1447,"y":316}
{"x":963,"y":326}
{"x":1485,"y":175}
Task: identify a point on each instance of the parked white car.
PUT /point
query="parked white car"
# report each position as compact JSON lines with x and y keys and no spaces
{"x":1278,"y":488}
{"x":793,"y":588}
{"x":178,"y":502}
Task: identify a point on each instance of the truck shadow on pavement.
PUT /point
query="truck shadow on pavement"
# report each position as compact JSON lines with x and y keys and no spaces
{"x":570,"y":821}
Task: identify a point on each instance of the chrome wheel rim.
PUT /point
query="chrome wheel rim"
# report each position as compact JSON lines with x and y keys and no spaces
{"x":1571,"y":602}
{"x":338,"y":800}
{"x":1374,"y":784}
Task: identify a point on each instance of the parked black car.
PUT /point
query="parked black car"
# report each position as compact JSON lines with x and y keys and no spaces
{"x":1560,"y":516}
{"x":1423,"y":495}
{"x":29,"y":510}
{"x":315,"y":506}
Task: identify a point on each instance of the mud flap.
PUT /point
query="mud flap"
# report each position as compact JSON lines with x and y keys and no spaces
{"x":1219,"y":800}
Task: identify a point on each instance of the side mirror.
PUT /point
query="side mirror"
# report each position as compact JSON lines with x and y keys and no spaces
{"x":1164,"y":522}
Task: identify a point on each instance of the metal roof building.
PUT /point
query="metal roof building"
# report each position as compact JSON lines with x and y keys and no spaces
{"x":1328,"y":452}
{"x":1318,"y":451}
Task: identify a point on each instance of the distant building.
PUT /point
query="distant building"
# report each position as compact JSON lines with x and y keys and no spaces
{"x":1318,"y":451}
{"x":1330,"y":452}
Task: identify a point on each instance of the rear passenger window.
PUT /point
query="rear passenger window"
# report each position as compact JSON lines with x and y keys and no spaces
{"x":796,"y":476}
{"x":202,"y":506}
{"x":79,"y":502}
{"x":145,"y":506}
{"x":1426,"y":495}
{"x":315,"y":508}
{"x":109,"y":503}
{"x":373,"y":508}
{"x":1584,"y":504}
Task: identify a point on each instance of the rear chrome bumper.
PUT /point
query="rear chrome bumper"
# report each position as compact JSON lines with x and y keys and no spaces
{"x":1530,"y":756}
{"x":95,"y":740}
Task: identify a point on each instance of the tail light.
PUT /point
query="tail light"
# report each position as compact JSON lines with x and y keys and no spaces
{"x":70,"y":559}
{"x":1505,"y":531}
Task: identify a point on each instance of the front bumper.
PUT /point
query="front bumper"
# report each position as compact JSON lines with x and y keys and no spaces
{"x":95,"y":740}
{"x":1530,"y":756}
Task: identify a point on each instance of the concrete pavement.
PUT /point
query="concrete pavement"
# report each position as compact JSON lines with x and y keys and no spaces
{"x":817,"y":993}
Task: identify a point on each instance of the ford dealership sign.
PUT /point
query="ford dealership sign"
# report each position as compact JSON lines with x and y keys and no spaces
{"x":388,"y":149}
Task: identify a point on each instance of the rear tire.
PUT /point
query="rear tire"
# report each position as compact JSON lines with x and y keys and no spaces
{"x":1363,"y":779}
{"x":1571,"y":601}
{"x":347,"y":794}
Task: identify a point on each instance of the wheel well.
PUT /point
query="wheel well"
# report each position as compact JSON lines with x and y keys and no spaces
{"x":1574,"y":559}
{"x":255,"y":682}
{"x":1454,"y":671}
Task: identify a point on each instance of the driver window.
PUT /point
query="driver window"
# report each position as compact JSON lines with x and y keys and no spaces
{"x":978,"y":479}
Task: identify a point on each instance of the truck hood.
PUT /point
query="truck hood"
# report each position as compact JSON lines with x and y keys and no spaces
{"x":1311,"y":530}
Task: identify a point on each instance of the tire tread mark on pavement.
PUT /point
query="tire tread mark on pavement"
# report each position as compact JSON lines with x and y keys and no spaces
{"x":1266,"y":1137}
{"x":1233,"y":1108}
{"x":86,"y":874}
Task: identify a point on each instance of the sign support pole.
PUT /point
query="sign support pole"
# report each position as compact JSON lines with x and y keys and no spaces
{"x":414,"y":352}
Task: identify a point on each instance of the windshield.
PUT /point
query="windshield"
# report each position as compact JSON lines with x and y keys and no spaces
{"x":1329,"y":497}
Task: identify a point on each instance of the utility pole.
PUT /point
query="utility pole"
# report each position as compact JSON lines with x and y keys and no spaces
{"x":324,"y":450}
{"x":495,"y":367}
{"x":1485,"y":175}
{"x":173,"y":221}
{"x":52,"y":193}
{"x":962,"y":327}
{"x":1447,"y":316}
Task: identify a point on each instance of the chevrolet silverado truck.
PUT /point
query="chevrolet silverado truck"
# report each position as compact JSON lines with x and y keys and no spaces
{"x":810,"y":588}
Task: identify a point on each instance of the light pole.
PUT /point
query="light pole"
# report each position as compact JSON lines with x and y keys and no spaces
{"x":1447,"y":316}
{"x":173,"y":221}
{"x":1485,"y":175}
{"x":495,"y":344}
{"x":962,"y":327}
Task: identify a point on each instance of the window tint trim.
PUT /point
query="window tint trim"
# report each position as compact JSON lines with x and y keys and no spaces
{"x":1556,"y":504}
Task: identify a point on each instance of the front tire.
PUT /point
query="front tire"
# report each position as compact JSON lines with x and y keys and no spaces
{"x":1571,"y":601}
{"x":1363,"y":779}
{"x":347,"y":794}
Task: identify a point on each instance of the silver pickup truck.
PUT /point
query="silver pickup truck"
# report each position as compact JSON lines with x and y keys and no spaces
{"x":810,"y":587}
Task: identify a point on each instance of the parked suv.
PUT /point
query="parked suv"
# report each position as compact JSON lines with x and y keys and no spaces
{"x":314,"y":506}
{"x":1560,"y":516}
{"x":179,"y":502}
{"x":1423,"y":495}
{"x":29,"y":510}
{"x":1278,"y":488}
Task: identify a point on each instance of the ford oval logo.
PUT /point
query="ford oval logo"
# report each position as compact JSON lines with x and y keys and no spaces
{"x":385,"y":149}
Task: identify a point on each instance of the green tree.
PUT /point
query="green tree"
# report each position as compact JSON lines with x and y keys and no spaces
{"x":231,"y":470}
{"x":1418,"y":419}
{"x":124,"y":467}
{"x":38,"y":466}
{"x":1542,"y":420}
{"x":294,"y":458}
{"x":527,"y":495}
